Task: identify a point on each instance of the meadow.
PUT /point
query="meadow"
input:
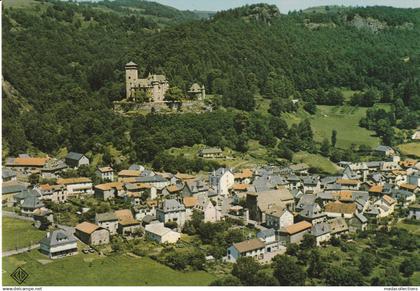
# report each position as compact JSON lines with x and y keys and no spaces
{"x":18,"y":233}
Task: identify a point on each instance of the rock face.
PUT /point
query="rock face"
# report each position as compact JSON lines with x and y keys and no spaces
{"x":368,"y":23}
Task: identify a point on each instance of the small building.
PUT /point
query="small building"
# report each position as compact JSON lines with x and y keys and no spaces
{"x":26,"y":164}
{"x":105,"y":174}
{"x":92,"y":234}
{"x":197,"y":92}
{"x":75,"y":160}
{"x":127,"y":174}
{"x":358,"y":222}
{"x":321,"y":232}
{"x":9,"y":190}
{"x":30,"y":204}
{"x":384,"y":150}
{"x":268,"y":236}
{"x":278,"y":217}
{"x":161,"y":234}
{"x":171,"y":211}
{"x":300,"y":168}
{"x":108,"y":221}
{"x":211,"y":153}
{"x":127,"y":225}
{"x":222,"y":180}
{"x":414,"y":212}
{"x":54,"y":193}
{"x":194,"y":188}
{"x":294,"y":233}
{"x":77,"y":186}
{"x":254,"y":248}
{"x":338,"y":209}
{"x":205,"y":206}
{"x":338,"y":226}
{"x":53,"y":169}
{"x":58,"y":244}
{"x":243,"y":177}
{"x":312,"y":213}
{"x":8,"y":175}
{"x":109,"y":190}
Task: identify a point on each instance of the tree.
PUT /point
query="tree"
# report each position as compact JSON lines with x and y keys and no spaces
{"x":264,"y":278}
{"x":287,"y":271}
{"x":246,"y":269}
{"x":308,"y":242}
{"x":33,"y":179}
{"x":409,"y":266}
{"x":228,"y":280}
{"x":367,"y":263}
{"x":310,"y":107}
{"x":325,"y":148}
{"x":334,"y":137}
{"x":340,"y":276}
{"x":174,"y":94}
{"x":317,"y":264}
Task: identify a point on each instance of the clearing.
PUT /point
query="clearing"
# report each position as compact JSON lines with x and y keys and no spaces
{"x":19,"y":233}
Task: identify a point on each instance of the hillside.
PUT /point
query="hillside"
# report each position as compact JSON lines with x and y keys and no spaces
{"x":238,"y":54}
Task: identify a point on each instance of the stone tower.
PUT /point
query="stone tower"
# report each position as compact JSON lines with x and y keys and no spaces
{"x":131,"y":77}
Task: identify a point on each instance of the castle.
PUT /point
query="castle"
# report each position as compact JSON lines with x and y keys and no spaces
{"x":155,"y":86}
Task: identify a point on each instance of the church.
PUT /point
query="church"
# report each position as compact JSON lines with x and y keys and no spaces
{"x":155,"y":86}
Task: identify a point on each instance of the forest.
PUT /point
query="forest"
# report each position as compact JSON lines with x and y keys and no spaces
{"x":64,"y":63}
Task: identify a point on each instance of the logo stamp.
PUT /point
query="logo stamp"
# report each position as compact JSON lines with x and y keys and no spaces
{"x":19,"y":275}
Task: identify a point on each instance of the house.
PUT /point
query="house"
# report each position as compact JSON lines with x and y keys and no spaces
{"x":53,"y":169}
{"x":278,"y":217}
{"x":171,"y":211}
{"x":414,"y":212}
{"x":384,"y":205}
{"x":30,"y":204}
{"x":305,"y":200}
{"x":8,"y":175}
{"x":403,"y":196}
{"x":311,"y":184}
{"x":254,"y":248}
{"x":76,"y":186}
{"x":108,"y":221}
{"x":301,"y":169}
{"x":189,"y":203}
{"x":26,"y":165}
{"x":338,"y":226}
{"x":243,"y":177}
{"x":197,"y":92}
{"x":414,"y":179}
{"x":321,"y":232}
{"x":312,"y":213}
{"x":294,"y":182}
{"x":127,"y":225}
{"x":123,"y":175}
{"x":75,"y":160}
{"x":92,"y":234}
{"x":195,"y":187}
{"x":136,"y":167}
{"x":159,"y":233}
{"x":409,"y":187}
{"x":350,"y":184}
{"x":268,"y":236}
{"x":222,"y":180}
{"x":54,"y":193}
{"x":58,"y":244}
{"x":156,"y":181}
{"x":294,"y":233}
{"x":211,"y":153}
{"x":339,"y":209}
{"x":105,"y":174}
{"x":109,"y":190}
{"x":384,"y":151}
{"x":9,"y":190}
{"x":358,"y":222}
{"x":205,"y":206}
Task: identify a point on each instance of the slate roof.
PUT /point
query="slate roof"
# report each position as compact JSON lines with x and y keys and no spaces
{"x":305,"y":200}
{"x":320,"y":229}
{"x":32,"y":202}
{"x":57,"y":238}
{"x":12,"y":187}
{"x":312,"y":211}
{"x":74,"y":156}
{"x":338,"y":225}
{"x":107,"y":216}
{"x":7,"y":173}
{"x":170,"y":205}
{"x":266,"y":233}
{"x":360,"y":217}
{"x":151,"y":179}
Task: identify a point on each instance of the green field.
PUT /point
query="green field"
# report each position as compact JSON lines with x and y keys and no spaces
{"x":18,"y":3}
{"x":410,"y":149}
{"x":92,"y":269}
{"x":316,"y":161}
{"x":19,"y":233}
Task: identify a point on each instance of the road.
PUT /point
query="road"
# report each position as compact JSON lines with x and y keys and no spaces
{"x":19,"y":251}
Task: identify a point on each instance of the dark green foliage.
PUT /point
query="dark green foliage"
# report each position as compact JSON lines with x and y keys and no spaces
{"x":265,"y":278}
{"x":287,"y":271}
{"x":409,"y":266}
{"x":343,"y":276}
{"x":228,"y":280}
{"x":246,"y":269}
{"x":367,"y":263}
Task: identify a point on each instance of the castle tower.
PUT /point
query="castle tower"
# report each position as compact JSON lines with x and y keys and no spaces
{"x":131,"y":77}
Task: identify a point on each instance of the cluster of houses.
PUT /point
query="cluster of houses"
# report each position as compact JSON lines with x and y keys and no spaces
{"x":283,"y":203}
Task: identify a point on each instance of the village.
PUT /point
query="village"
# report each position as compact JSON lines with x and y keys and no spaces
{"x":273,"y":206}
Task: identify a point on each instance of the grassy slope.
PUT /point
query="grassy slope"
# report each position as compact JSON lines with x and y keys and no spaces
{"x":410,"y":149}
{"x":18,"y":3}
{"x":19,"y":233}
{"x":316,"y":161}
{"x":88,"y":270}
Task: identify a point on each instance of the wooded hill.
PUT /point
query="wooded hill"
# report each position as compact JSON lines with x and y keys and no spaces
{"x":66,"y":61}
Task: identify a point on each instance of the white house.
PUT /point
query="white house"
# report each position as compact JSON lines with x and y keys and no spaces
{"x":108,"y":221}
{"x":105,"y":173}
{"x":278,"y":217}
{"x":222,"y":180}
{"x":204,"y":205}
{"x":58,"y":243}
{"x":75,"y":160}
{"x":171,"y":211}
{"x":161,"y":234}
{"x":76,"y":186}
{"x":250,"y":248}
{"x":414,"y":212}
